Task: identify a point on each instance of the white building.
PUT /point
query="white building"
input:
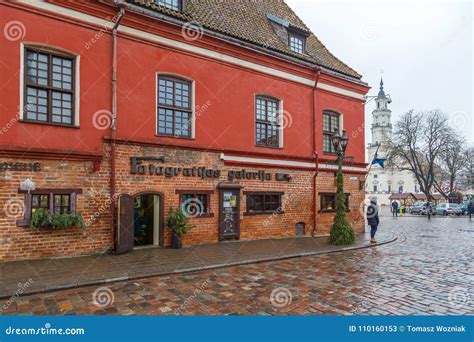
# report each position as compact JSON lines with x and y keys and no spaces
{"x":381,"y":183}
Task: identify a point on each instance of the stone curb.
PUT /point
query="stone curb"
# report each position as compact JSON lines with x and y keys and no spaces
{"x":196,"y":269}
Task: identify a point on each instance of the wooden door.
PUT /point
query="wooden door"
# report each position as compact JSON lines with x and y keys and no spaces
{"x":229,"y":214}
{"x":125,"y":231}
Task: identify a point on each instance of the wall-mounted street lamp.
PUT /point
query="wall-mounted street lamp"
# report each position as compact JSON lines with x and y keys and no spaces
{"x":28,"y":185}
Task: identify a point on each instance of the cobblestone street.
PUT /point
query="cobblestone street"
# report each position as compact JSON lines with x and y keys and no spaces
{"x":428,"y":270}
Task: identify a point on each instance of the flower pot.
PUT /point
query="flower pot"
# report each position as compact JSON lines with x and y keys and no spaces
{"x":176,"y":241}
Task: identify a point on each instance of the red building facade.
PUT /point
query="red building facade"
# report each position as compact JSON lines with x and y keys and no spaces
{"x":121,"y":110}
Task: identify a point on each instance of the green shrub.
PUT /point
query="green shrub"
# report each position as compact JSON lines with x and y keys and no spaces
{"x":341,"y":230}
{"x":42,"y":218}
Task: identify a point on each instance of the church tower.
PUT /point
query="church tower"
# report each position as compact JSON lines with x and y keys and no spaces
{"x":381,"y":123}
{"x":381,"y":183}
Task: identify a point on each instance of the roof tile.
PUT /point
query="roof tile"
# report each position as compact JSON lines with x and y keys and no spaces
{"x":247,"y":20}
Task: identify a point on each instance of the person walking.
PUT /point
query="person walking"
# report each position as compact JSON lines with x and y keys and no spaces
{"x":428,"y":210}
{"x":373,"y":219}
{"x":470,"y":209}
{"x":395,"y":208}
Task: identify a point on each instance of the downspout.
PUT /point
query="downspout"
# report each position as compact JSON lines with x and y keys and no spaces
{"x":315,"y":153}
{"x":113,"y":126}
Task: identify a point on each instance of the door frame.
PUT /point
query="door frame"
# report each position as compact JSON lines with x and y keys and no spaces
{"x":161,"y":229}
{"x":222,"y":188}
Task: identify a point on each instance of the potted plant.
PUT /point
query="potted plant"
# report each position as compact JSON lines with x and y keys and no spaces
{"x":178,"y":223}
{"x":42,"y":218}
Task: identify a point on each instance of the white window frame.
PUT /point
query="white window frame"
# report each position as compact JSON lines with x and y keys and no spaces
{"x":77,"y":73}
{"x":193,"y":104}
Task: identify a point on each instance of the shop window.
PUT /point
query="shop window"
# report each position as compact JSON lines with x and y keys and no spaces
{"x":267,"y":121}
{"x":175,"y":5}
{"x":296,"y":43}
{"x":57,"y":201}
{"x":263,"y":202}
{"x":48,"y":88}
{"x":195,"y":203}
{"x":174,"y":107}
{"x":330,"y":123}
{"x":328,"y":202}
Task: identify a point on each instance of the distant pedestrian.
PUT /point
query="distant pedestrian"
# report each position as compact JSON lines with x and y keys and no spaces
{"x":373,"y":219}
{"x":395,"y":208}
{"x":428,"y":210}
{"x":470,"y":209}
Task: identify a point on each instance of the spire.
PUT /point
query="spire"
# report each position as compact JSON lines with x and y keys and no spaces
{"x":381,"y":91}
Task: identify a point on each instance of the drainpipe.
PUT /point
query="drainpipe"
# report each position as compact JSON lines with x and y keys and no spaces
{"x":113,"y":126}
{"x":317,"y":71}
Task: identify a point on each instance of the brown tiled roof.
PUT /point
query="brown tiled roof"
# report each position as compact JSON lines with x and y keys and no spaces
{"x":247,"y":20}
{"x":420,"y":196}
{"x":403,"y":195}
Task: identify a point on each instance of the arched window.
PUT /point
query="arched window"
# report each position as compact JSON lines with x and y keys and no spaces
{"x":330,"y":123}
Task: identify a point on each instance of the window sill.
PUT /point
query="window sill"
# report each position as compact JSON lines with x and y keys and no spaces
{"x":330,"y":153}
{"x":277,"y":212}
{"x":272,"y":147}
{"x":27,"y":224}
{"x":48,"y":123}
{"x":23,"y":223}
{"x":332,"y":211}
{"x":173,"y":137}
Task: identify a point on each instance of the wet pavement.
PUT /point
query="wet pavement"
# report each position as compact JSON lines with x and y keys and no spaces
{"x":34,"y":276}
{"x":428,"y":270}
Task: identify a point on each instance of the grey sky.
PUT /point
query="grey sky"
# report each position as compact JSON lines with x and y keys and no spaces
{"x":423,"y":47}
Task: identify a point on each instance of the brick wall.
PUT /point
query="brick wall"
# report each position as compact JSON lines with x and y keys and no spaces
{"x":24,"y":243}
{"x":296,"y":200}
{"x":18,"y":243}
{"x":326,"y":182}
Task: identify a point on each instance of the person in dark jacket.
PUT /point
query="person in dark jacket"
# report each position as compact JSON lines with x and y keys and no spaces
{"x":394,"y":208}
{"x":373,"y":219}
{"x":470,"y":210}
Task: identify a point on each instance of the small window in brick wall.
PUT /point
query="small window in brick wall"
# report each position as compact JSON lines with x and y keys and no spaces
{"x":57,"y":201}
{"x":328,"y":202}
{"x":263,"y":203}
{"x":195,"y":203}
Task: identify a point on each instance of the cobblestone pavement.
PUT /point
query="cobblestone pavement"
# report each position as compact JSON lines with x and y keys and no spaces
{"x":428,"y":270}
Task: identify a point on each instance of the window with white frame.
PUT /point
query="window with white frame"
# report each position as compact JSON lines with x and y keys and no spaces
{"x":175,"y":5}
{"x":296,"y":43}
{"x":48,"y":87}
{"x":330,"y":123}
{"x":175,"y":116}
{"x":267,"y":121}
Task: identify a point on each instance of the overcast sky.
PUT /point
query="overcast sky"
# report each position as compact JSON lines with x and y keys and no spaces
{"x":424,"y":49}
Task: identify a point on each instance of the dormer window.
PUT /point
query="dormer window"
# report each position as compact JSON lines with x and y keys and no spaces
{"x":175,"y":5}
{"x":296,"y":43}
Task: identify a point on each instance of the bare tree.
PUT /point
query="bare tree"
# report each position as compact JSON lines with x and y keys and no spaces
{"x":452,"y":162}
{"x":470,"y":167}
{"x":418,"y":142}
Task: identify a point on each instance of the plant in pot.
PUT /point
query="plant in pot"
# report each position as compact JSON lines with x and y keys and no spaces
{"x":178,"y":223}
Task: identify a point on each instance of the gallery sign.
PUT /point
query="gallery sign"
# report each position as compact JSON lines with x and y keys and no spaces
{"x":153,"y":166}
{"x":35,"y":167}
